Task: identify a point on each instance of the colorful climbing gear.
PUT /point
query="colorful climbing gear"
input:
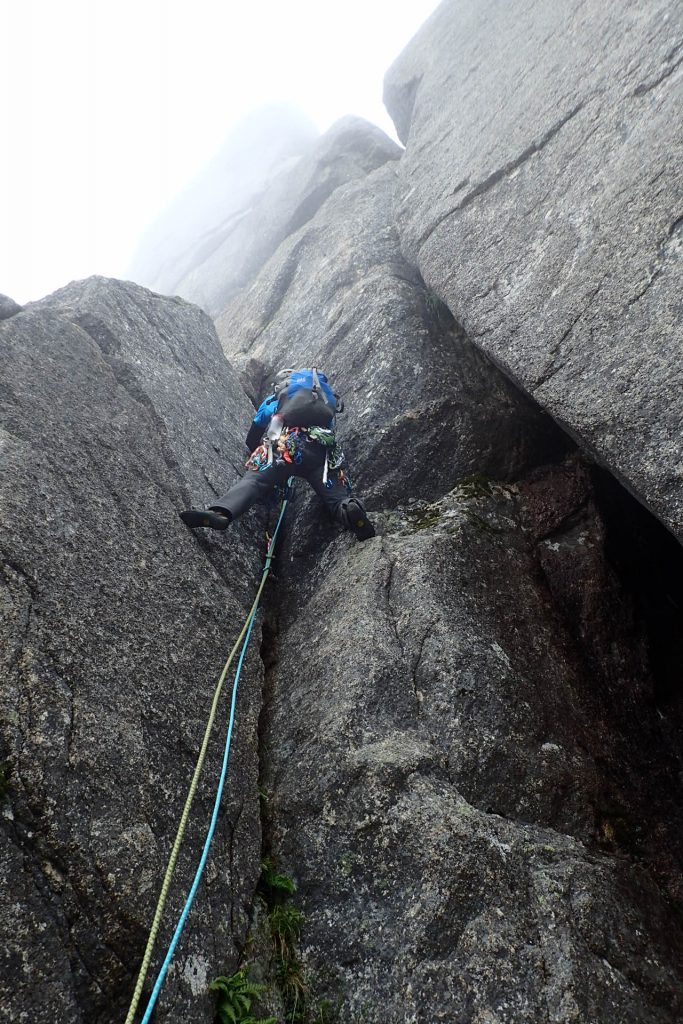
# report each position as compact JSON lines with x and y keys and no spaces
{"x":286,"y":447}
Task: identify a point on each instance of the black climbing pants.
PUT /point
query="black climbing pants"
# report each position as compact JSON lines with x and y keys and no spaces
{"x":257,"y":485}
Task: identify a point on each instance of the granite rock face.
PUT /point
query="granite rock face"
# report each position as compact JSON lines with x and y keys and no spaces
{"x":540,"y":197}
{"x":421,"y":404}
{"x":117,"y":405}
{"x":8,"y":307}
{"x":488,"y":829}
{"x":467,"y":759}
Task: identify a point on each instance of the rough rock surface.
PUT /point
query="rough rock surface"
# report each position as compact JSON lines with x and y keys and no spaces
{"x":540,"y":197}
{"x":339,"y":293}
{"x":117,"y":405}
{"x":194,"y":229}
{"x":490,"y":826}
{"x":468,"y":760}
{"x":8,"y":307}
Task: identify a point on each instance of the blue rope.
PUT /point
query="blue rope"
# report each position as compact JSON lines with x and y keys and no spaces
{"x":214,"y":817}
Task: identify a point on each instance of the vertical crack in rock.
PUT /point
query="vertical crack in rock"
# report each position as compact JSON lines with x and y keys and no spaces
{"x":559,"y":527}
{"x":496,"y":609}
{"x":537,"y":624}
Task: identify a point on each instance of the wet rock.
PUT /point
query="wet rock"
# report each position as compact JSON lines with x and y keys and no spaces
{"x":540,"y":198}
{"x":116,"y":406}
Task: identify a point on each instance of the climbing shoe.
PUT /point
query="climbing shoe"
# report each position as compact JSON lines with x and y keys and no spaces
{"x":194,"y":517}
{"x":357,"y":520}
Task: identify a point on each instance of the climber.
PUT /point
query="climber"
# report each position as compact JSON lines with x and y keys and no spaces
{"x":292,"y":434}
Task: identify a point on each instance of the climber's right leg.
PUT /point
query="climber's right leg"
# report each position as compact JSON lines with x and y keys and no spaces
{"x":254,"y":486}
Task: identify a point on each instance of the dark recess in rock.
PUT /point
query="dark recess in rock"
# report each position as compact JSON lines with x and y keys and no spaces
{"x":649,"y":561}
{"x":540,"y":196}
{"x":616,"y":785}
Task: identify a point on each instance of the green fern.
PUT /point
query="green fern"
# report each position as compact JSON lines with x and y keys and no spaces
{"x":234,"y":996}
{"x":273,"y":885}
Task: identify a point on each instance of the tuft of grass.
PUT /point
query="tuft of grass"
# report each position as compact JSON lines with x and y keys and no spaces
{"x":326,"y":1013}
{"x":285,"y":925}
{"x":284,"y":921}
{"x":423,"y":518}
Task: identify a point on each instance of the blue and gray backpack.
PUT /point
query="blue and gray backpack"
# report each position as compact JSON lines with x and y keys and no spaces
{"x":305,"y":399}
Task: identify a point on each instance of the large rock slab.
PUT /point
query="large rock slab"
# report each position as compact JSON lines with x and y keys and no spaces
{"x":163,"y":350}
{"x":465,"y":772}
{"x":115,"y":621}
{"x":540,"y":197}
{"x":422,"y":406}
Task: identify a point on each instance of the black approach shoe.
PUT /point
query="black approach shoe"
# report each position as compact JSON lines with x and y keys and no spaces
{"x":358,"y":521}
{"x":194,"y":517}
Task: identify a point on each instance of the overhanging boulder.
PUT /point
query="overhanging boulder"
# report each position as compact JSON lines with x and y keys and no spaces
{"x":540,"y":197}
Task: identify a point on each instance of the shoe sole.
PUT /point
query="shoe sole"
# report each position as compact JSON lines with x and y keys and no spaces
{"x":195,"y":517}
{"x":362,"y":528}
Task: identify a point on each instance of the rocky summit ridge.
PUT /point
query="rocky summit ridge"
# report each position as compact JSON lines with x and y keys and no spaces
{"x":462,"y":739}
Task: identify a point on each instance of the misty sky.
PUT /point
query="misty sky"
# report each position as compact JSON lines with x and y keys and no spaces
{"x":108,"y":109}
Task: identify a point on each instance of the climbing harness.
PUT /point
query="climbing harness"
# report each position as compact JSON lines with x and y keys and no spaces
{"x":243,"y":639}
{"x":285,"y":444}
